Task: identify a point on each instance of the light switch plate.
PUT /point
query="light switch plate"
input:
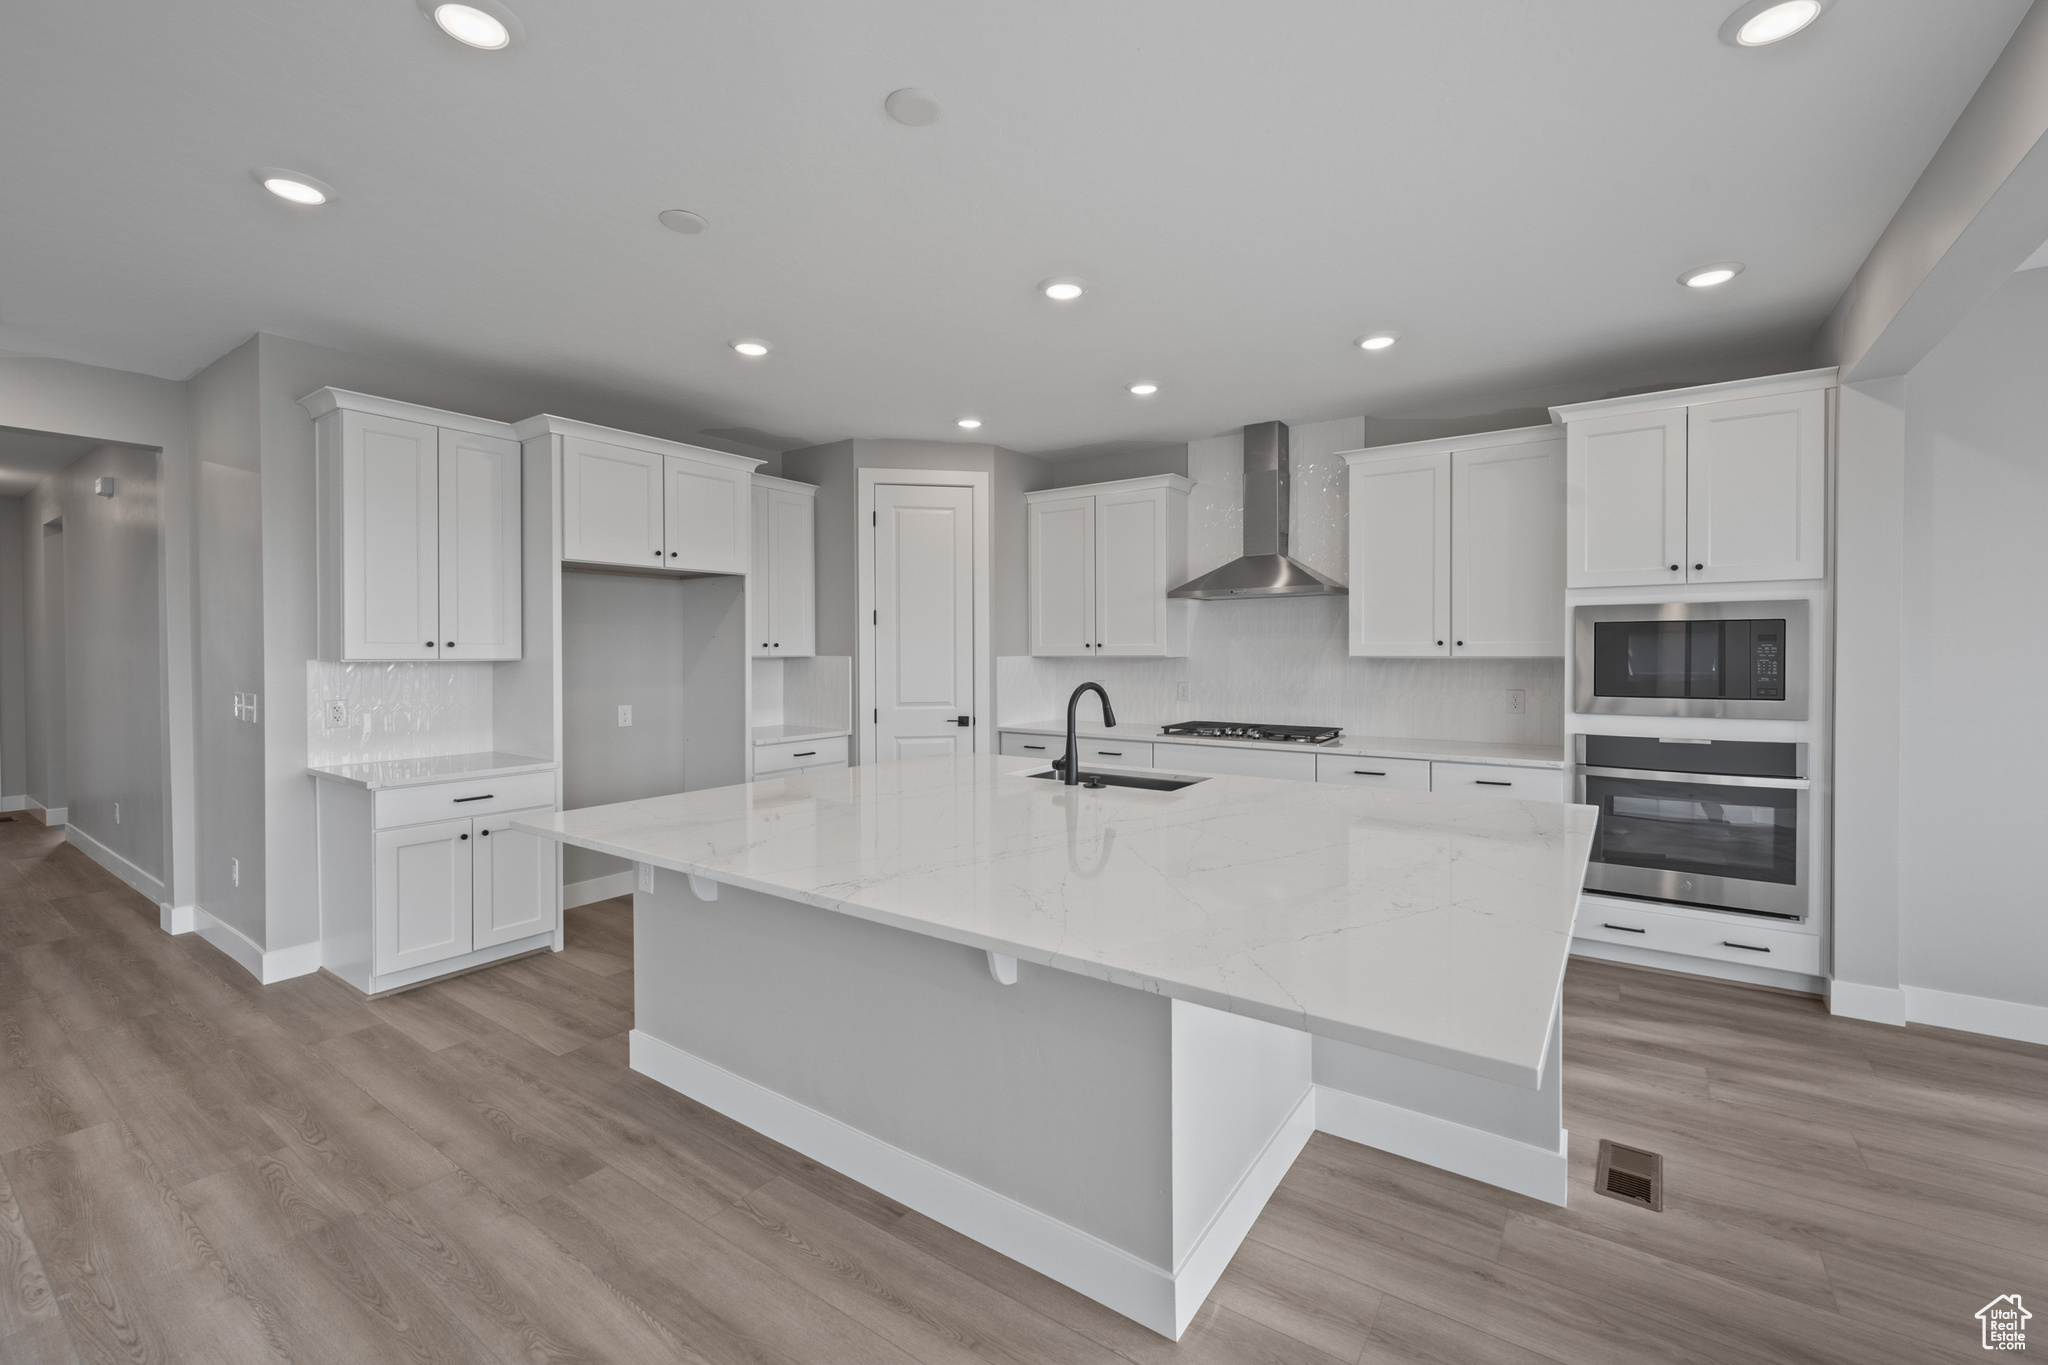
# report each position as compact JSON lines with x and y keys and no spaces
{"x":625,"y":716}
{"x":646,"y":873}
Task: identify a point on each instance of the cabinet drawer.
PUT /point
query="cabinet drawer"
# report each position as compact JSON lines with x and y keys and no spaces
{"x":1016,"y":745}
{"x":1676,"y":931}
{"x":477,"y":796}
{"x":1485,"y":779}
{"x":799,"y":753}
{"x":1397,"y":774}
{"x":1214,"y":758}
{"x":1111,"y":751}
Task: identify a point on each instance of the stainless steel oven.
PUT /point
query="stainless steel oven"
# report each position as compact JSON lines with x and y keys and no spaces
{"x":1718,"y":823}
{"x":1738,"y":660}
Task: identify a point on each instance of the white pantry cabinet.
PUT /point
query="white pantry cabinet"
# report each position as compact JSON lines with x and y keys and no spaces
{"x":418,"y":529}
{"x":1101,"y":559}
{"x":1457,"y":547}
{"x":643,"y":503}
{"x":1721,"y":484}
{"x":783,"y":596}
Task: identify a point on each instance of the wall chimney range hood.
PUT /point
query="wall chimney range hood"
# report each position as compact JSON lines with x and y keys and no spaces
{"x":1263,"y":570}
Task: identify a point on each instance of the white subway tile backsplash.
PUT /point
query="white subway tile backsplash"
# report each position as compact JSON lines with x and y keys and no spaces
{"x":397,"y":711}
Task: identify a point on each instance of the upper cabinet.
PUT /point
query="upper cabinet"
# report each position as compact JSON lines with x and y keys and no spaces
{"x":1102,"y":558}
{"x":1457,"y":547}
{"x":783,"y":593}
{"x":638,"y":502}
{"x":1729,"y":487}
{"x":418,"y":516}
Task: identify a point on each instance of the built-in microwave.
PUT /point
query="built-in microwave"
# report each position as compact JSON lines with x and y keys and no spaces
{"x":1737,"y":660}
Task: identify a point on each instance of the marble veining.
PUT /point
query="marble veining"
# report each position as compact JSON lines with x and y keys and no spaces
{"x":1430,"y":926}
{"x":417,"y":772}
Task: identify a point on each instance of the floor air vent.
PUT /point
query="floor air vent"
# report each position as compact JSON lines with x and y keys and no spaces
{"x":1631,"y":1175}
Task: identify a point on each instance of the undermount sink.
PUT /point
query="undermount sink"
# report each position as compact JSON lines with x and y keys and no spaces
{"x":1151,"y":782}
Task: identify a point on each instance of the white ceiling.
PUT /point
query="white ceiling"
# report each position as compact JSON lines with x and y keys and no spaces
{"x":1246,"y":188}
{"x":29,"y":457}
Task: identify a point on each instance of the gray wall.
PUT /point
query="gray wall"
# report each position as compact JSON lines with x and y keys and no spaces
{"x":673,"y":650}
{"x":43,"y":590}
{"x":13,"y":652}
{"x":1975,"y":649}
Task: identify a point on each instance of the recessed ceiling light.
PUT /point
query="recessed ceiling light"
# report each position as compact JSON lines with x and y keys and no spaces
{"x":1144,"y":390}
{"x":683,"y":221}
{"x":1377,"y":341}
{"x":294,"y":187}
{"x":1763,"y":22}
{"x":912,"y":108}
{"x":1707,"y":276}
{"x":751,"y":348}
{"x":483,"y":24}
{"x":970,"y":422}
{"x":1061,"y":291}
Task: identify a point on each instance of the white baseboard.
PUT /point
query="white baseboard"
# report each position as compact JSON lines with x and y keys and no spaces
{"x":1210,"y":1256}
{"x":1877,"y":1004}
{"x":49,"y":815}
{"x":177,"y":919}
{"x":113,"y":862}
{"x":1977,"y":1014}
{"x":8,"y":803}
{"x":1138,"y":1289}
{"x":1700,"y":966}
{"x":278,"y":964}
{"x":1518,"y":1166}
{"x":597,"y":889}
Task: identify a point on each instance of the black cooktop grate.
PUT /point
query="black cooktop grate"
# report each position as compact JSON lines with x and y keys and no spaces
{"x":1270,"y":734}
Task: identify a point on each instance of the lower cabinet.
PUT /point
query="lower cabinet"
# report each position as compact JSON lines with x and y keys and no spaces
{"x":404,"y":904}
{"x":1394,"y":774}
{"x":1486,"y":779}
{"x":799,"y":756}
{"x":1214,"y":758}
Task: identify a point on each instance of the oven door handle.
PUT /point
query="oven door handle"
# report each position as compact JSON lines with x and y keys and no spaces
{"x":1710,"y":779}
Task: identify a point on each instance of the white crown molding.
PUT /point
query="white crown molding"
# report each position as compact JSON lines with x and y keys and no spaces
{"x":787,"y":485}
{"x":320,"y":402}
{"x":1478,"y":440}
{"x":547,"y":424}
{"x":1174,"y":482}
{"x":1765,"y":386}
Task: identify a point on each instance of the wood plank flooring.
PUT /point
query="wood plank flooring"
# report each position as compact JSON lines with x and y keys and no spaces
{"x":194,"y":1167}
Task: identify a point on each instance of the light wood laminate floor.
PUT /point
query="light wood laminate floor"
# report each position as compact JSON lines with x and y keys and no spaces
{"x":199,"y":1168}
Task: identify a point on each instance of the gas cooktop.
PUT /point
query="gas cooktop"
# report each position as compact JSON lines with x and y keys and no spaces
{"x":1270,"y":734}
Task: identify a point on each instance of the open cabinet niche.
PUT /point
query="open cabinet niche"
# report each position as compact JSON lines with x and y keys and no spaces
{"x":675,"y":651}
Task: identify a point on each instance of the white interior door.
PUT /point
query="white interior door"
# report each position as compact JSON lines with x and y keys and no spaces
{"x":480,"y":593}
{"x":1401,"y":556}
{"x":422,"y":897}
{"x":924,"y":620}
{"x":1756,"y":469}
{"x":611,"y":504}
{"x":390,"y":485}
{"x":1507,"y":551}
{"x":514,"y":891}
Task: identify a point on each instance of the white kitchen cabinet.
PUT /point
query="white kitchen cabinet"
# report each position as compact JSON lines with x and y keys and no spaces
{"x":611,"y":504}
{"x":1389,"y":774}
{"x":706,"y":513}
{"x":418,"y":532}
{"x":1022,"y":744}
{"x":644,"y":503}
{"x":1214,"y":758}
{"x":1101,"y":559}
{"x":424,"y":879}
{"x":800,"y":754}
{"x":1721,"y":484}
{"x":783,"y":592}
{"x":1490,"y":779}
{"x":1457,"y":546}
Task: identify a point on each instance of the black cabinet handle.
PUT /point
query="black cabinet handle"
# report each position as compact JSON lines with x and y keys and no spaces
{"x":485,"y":833}
{"x":1489,"y":782}
{"x":1625,"y":928}
{"x":657,"y":554}
{"x":1109,"y":753}
{"x":1674,"y":568}
{"x":1034,"y":746}
{"x":449,"y":645}
{"x":1362,"y":772}
{"x":1702,"y":566}
{"x":485,"y":797}
{"x":1461,"y":644}
{"x":1746,"y":947}
{"x":808,"y":753}
{"x":430,"y":644}
{"x":465,"y":837}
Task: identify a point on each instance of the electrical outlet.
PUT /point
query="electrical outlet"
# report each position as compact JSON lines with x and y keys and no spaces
{"x":235,"y":871}
{"x":1181,"y":691}
{"x":625,"y":716}
{"x":337,"y":713}
{"x":1517,"y":701}
{"x":646,"y":871}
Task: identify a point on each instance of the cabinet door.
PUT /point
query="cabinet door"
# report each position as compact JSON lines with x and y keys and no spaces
{"x":706,"y":508}
{"x":1507,"y":551}
{"x":1756,"y":474}
{"x":1401,"y":556}
{"x":1625,"y":500}
{"x":390,"y":539}
{"x":1130,"y":573}
{"x":611,"y":504}
{"x":1061,"y":543}
{"x":792,"y":574}
{"x":479,"y":553}
{"x":760,"y":582}
{"x":515,"y":891}
{"x":422,"y":903}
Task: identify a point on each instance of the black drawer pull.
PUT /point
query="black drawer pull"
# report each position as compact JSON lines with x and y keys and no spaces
{"x":1365,"y":772}
{"x":1109,"y":753}
{"x":808,"y":753}
{"x":1746,"y":947}
{"x":485,"y":797}
{"x":1489,"y":782}
{"x":1034,"y":746}
{"x":1625,"y":928}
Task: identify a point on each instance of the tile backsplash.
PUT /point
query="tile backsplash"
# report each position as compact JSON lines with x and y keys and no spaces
{"x":1287,"y":662}
{"x":397,"y":711}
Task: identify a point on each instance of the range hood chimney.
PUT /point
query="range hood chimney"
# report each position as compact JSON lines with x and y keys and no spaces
{"x":1263,"y":570}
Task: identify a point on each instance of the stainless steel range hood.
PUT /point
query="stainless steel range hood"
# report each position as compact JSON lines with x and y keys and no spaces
{"x":1263,"y":570}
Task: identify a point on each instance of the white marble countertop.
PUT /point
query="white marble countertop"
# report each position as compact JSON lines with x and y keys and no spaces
{"x":416,"y":772}
{"x":1446,"y":750}
{"x":782,"y":734}
{"x":1432,"y":926}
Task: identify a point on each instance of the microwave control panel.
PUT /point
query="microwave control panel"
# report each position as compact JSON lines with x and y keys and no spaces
{"x":1767,"y":660}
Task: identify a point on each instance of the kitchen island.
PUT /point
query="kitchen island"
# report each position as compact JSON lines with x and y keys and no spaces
{"x":1091,"y":1028}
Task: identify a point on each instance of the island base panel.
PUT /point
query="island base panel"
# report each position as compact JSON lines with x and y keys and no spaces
{"x":1113,"y":1139}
